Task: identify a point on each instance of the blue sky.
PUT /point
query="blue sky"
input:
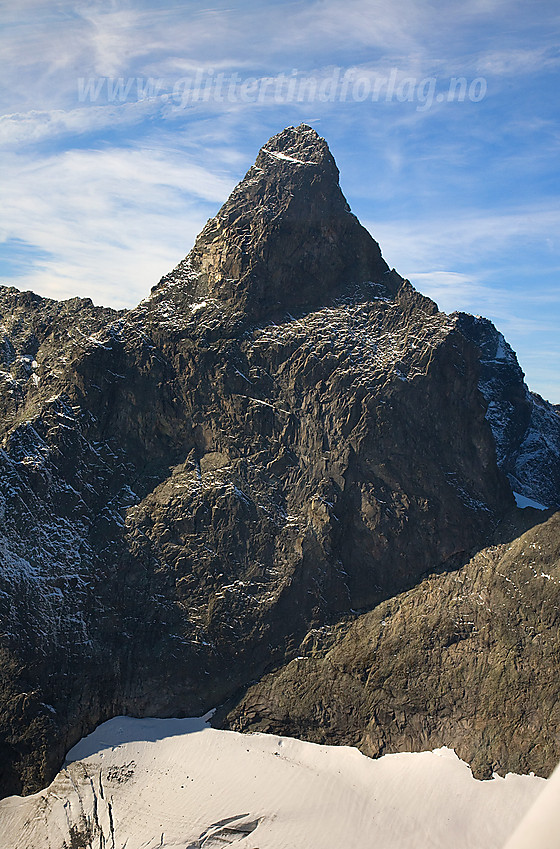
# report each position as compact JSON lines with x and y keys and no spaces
{"x":104,"y":193}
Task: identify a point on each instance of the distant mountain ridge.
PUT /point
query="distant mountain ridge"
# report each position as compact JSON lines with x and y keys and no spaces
{"x":283,"y":434}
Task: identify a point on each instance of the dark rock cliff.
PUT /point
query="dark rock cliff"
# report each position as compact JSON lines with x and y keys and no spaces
{"x":284,"y":432}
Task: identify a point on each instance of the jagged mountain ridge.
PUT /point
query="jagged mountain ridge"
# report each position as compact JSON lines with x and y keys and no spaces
{"x":526,"y":428}
{"x":284,"y":432}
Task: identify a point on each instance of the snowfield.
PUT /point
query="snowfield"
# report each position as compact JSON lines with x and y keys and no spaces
{"x":179,"y":784}
{"x":522,"y":501}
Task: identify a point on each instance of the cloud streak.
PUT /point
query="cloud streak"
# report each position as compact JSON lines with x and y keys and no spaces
{"x":107,"y":224}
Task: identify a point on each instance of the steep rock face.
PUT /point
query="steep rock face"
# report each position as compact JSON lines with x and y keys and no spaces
{"x":285,"y":238}
{"x":526,"y":428}
{"x":466,"y":659}
{"x":283,"y":432}
{"x":34,"y":330}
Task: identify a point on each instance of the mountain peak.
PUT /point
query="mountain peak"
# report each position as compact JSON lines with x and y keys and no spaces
{"x":285,"y":237}
{"x":300,"y":146}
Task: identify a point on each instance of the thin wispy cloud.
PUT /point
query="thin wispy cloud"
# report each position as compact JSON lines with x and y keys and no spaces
{"x":475,"y":236}
{"x":107,"y":223}
{"x":36,"y":126}
{"x":519,"y":61}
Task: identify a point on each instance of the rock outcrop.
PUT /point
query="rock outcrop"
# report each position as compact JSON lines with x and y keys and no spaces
{"x":465,"y":659}
{"x":284,"y":432}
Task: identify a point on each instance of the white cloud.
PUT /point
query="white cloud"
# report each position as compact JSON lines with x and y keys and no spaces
{"x":113,"y":36}
{"x":456,"y":291}
{"x":35,"y":125}
{"x":431,"y":243}
{"x":518,"y":60}
{"x":110,"y":223}
{"x":451,"y":290}
{"x":49,"y":47}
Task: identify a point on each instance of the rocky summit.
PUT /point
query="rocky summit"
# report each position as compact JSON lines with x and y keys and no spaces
{"x":262,"y":462}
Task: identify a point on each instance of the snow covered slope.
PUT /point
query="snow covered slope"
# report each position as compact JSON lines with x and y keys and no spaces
{"x":179,"y":784}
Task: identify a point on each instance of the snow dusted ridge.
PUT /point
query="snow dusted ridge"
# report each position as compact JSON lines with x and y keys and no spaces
{"x":526,"y":428}
{"x":178,"y":784}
